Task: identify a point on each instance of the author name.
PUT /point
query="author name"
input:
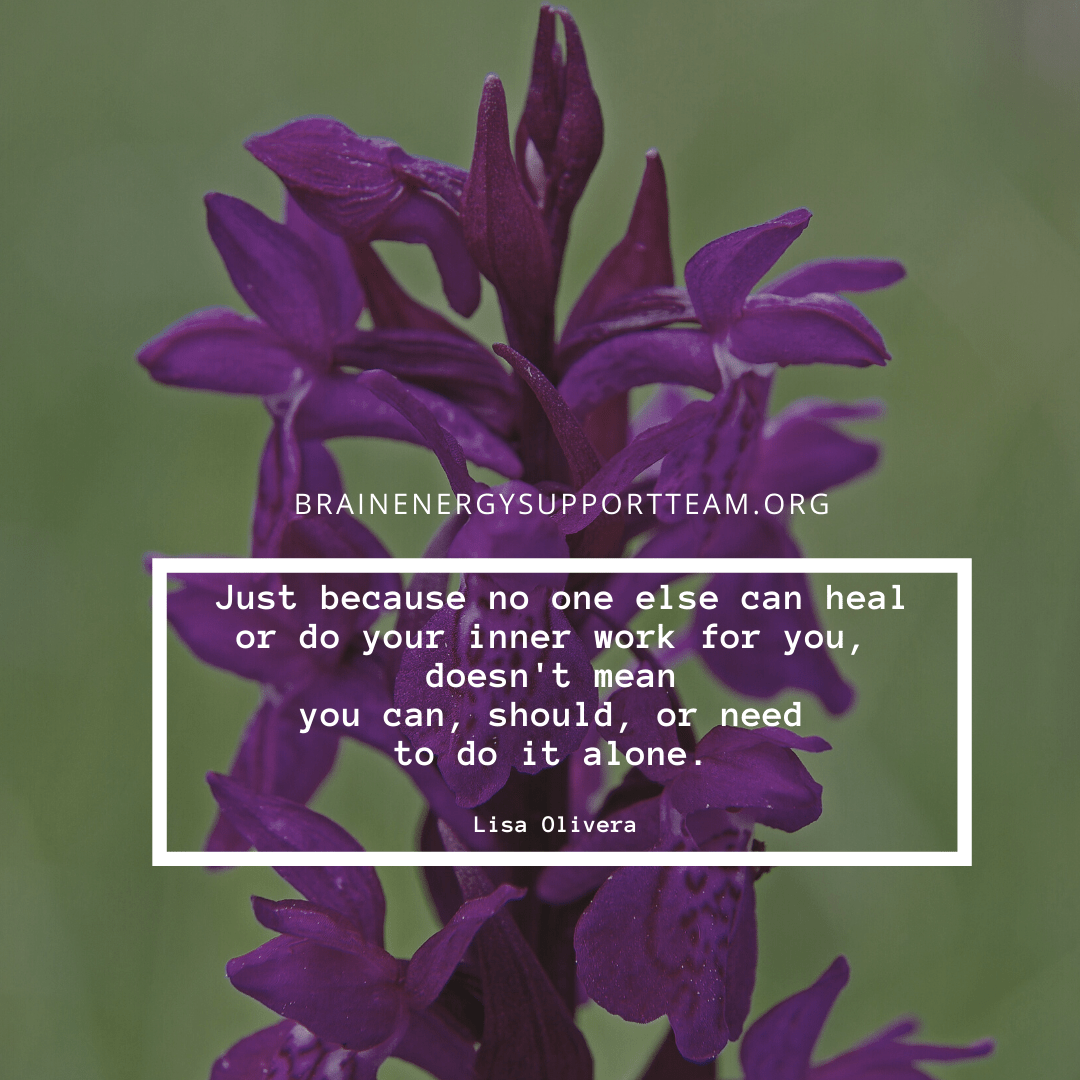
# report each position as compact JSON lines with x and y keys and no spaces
{"x":555,"y":824}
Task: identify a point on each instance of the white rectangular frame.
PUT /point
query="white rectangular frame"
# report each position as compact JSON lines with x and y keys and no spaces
{"x":162,"y":856}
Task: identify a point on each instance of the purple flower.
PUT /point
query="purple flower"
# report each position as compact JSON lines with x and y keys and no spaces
{"x":778,"y":1045}
{"x":300,"y":283}
{"x":277,"y":756}
{"x":328,"y":971}
{"x":797,"y":324}
{"x":675,"y":940}
{"x":367,"y":189}
{"x":492,"y":994}
{"x":353,"y":1004}
{"x":683,"y":941}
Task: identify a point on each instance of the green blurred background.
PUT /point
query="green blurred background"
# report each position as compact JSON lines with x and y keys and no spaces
{"x":943,"y":134}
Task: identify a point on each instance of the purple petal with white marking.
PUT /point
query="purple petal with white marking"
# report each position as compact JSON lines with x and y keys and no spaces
{"x":253,"y":1057}
{"x":351,"y":998}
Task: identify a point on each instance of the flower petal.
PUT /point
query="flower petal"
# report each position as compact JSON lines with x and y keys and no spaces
{"x":338,"y":405}
{"x":616,"y":475}
{"x":303,"y":919}
{"x":468,"y":710}
{"x":802,"y":454}
{"x":640,"y":260}
{"x":765,"y":670}
{"x":347,"y":297}
{"x":528,"y":1031}
{"x":347,"y":998}
{"x":434,"y":962}
{"x":573,"y":441}
{"x":458,"y":368}
{"x":815,"y":408}
{"x":884,"y":1056}
{"x":432,"y":1043}
{"x":815,"y":329}
{"x":218,"y":349}
{"x":644,"y":309}
{"x":507,"y":536}
{"x":275,"y":758}
{"x":385,"y":387}
{"x":634,"y":711}
{"x":276,"y":274}
{"x":438,"y":177}
{"x":270,"y":823}
{"x":837,"y":275}
{"x":285,"y":468}
{"x":390,"y":305}
{"x":421,"y":219}
{"x":657,"y":940}
{"x":683,"y":357}
{"x":210,"y":632}
{"x":778,"y":1045}
{"x":368,"y":682}
{"x":752,"y":773}
{"x":343,"y":181}
{"x":252,"y":1057}
{"x":562,"y":121}
{"x":504,"y":231}
{"x":668,"y":1064}
{"x":720,"y":276}
{"x":721,"y":462}
{"x":361,"y":189}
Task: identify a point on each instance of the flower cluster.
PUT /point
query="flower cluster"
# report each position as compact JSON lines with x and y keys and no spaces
{"x":494,"y":992}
